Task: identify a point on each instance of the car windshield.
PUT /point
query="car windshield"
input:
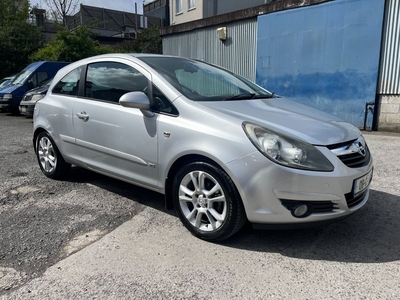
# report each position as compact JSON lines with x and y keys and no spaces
{"x":21,"y":77}
{"x":199,"y":81}
{"x":5,"y":83}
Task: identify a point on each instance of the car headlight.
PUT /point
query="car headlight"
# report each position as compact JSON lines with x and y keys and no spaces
{"x":7,"y":96}
{"x":286,"y":150}
{"x":37,"y":97}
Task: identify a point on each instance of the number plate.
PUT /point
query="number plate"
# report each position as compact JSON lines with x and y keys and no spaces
{"x":23,"y":109}
{"x":362,"y":183}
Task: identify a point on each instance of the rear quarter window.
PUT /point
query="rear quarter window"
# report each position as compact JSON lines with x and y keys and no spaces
{"x":69,"y":84}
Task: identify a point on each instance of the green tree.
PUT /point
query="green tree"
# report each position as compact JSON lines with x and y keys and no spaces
{"x":71,"y":46}
{"x":148,"y":41}
{"x":18,"y":38}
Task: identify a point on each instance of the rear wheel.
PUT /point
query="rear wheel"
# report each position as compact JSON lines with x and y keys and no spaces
{"x":49,"y":157}
{"x":207,"y":201}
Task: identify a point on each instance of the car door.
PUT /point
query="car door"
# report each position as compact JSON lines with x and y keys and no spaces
{"x":114,"y":140}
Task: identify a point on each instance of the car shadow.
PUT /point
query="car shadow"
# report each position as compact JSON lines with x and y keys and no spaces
{"x":371,"y":235}
{"x":15,"y":114}
{"x":135,"y":193}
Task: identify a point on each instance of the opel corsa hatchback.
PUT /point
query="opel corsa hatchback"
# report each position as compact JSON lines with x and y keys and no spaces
{"x":220,"y":148}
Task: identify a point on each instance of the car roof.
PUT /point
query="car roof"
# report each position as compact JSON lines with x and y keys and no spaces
{"x":130,"y":55}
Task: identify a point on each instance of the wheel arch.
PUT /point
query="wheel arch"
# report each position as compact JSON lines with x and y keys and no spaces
{"x":235,"y":216}
{"x":36,"y":134}
{"x":179,"y":163}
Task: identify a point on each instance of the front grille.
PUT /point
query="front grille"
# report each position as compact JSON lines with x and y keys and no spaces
{"x":354,"y":153}
{"x":318,"y":206}
{"x":354,"y":201}
{"x":356,"y":160}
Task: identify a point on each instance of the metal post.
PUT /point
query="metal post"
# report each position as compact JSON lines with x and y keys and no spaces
{"x":136,"y":20}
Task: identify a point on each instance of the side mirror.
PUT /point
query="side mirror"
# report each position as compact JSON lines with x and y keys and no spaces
{"x":30,"y":85}
{"x":137,"y":100}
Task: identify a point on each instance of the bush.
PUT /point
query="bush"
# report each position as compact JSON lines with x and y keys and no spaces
{"x":148,"y":41}
{"x":71,"y":46}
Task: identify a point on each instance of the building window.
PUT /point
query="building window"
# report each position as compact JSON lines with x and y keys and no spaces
{"x":191,"y":4}
{"x":178,"y":6}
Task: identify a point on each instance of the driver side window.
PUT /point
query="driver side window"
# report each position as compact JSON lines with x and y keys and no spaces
{"x":37,"y":79}
{"x":108,"y":81}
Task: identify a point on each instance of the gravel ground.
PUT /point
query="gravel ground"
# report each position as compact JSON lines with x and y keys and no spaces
{"x":43,"y":221}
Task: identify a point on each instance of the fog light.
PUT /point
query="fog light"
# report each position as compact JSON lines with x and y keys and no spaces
{"x":301,"y":211}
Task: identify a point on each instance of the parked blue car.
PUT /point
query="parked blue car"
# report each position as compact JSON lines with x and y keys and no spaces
{"x":29,"y":78}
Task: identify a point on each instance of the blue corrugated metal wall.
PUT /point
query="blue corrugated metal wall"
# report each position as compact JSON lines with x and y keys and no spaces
{"x":325,"y":56}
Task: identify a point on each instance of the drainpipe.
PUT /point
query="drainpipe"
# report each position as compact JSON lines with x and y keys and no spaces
{"x":377,"y":106}
{"x":369,"y":106}
{"x":136,"y":33}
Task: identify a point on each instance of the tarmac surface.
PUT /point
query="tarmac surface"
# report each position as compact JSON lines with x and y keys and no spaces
{"x":111,"y":240}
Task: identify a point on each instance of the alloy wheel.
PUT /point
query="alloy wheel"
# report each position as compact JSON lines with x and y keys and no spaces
{"x":202,"y":201}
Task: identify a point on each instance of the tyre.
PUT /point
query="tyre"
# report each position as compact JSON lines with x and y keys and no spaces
{"x":49,"y":157}
{"x":207,"y":201}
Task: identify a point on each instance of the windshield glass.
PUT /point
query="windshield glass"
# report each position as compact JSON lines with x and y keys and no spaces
{"x":202,"y":82}
{"x":20,"y":78}
{"x":5,"y":83}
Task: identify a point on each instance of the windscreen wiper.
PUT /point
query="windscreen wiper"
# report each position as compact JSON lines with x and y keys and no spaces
{"x":258,"y":96}
{"x":240,"y":97}
{"x":250,"y":96}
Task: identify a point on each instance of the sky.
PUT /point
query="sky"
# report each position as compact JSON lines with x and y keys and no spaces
{"x":121,"y":5}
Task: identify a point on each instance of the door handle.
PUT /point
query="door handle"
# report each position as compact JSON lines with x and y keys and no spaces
{"x":83,"y":115}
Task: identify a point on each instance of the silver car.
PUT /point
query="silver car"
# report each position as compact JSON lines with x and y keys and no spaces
{"x":28,"y":102}
{"x":221,"y":149}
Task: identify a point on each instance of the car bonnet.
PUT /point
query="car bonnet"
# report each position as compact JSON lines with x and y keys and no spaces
{"x":8,"y":89}
{"x":289,"y":117}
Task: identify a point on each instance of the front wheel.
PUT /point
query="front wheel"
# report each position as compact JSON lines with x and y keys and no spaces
{"x":49,"y":157}
{"x":207,"y":201}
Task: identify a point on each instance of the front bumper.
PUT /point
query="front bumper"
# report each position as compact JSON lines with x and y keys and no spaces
{"x":3,"y":103}
{"x":269,"y":190}
{"x":26,"y":108}
{"x":9,"y":104}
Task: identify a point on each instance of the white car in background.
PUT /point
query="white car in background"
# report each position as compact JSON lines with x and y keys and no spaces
{"x":5,"y":81}
{"x":28,"y":102}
